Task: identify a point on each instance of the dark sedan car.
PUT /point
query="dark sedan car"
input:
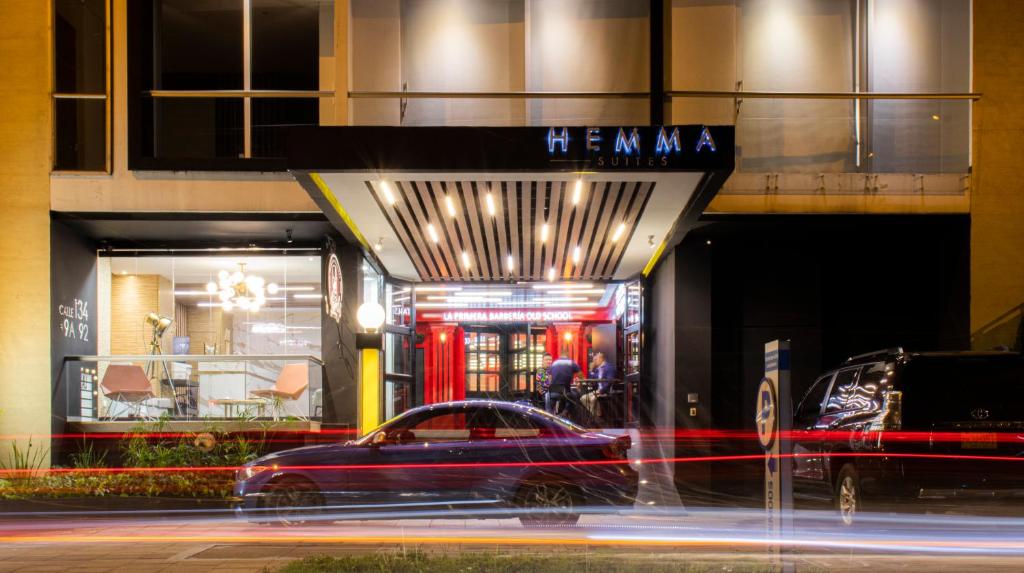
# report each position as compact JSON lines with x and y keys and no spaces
{"x":460,"y":456}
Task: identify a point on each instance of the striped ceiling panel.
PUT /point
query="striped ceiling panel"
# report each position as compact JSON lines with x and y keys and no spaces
{"x":458,"y":215}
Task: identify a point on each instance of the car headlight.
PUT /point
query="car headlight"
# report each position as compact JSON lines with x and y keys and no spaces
{"x":248,"y":472}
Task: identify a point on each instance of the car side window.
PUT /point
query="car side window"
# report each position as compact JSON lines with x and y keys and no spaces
{"x":872,"y":384}
{"x":810,"y":407}
{"x":443,"y":426}
{"x":512,"y":424}
{"x":842,"y":389}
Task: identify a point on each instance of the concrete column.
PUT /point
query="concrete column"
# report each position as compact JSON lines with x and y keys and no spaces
{"x":25,"y":159}
{"x":997,"y":199}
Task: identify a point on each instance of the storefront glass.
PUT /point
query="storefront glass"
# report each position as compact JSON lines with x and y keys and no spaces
{"x":244,"y":314}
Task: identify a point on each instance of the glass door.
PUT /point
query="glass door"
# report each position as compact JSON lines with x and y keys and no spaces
{"x":399,"y":348}
{"x":526,"y":353}
{"x":484,"y":361}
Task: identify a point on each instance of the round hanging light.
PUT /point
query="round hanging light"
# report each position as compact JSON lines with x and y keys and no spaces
{"x":241,"y":290}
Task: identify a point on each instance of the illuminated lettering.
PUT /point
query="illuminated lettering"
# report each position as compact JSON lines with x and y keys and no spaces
{"x":507,"y":316}
{"x":664,"y":144}
{"x":593,"y":139}
{"x":627,"y":146}
{"x":705,"y":141}
{"x":558,"y":139}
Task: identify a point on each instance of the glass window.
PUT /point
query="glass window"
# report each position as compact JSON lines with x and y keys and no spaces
{"x":842,"y":389}
{"x":199,"y":45}
{"x":500,"y":46}
{"x":80,"y":135}
{"x":271,"y":119}
{"x":222,"y":305}
{"x":371,"y":284}
{"x":446,"y":426}
{"x":921,"y":46}
{"x":796,"y":47}
{"x":398,"y":350}
{"x":286,"y":43}
{"x":810,"y":408}
{"x":80,"y":54}
{"x":80,"y":85}
{"x":399,"y":305}
{"x":198,"y":128}
{"x":871,"y":387}
{"x":633,"y":304}
{"x":397,"y":398}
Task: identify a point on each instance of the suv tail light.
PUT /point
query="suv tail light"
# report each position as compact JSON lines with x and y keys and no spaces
{"x":618,"y":448}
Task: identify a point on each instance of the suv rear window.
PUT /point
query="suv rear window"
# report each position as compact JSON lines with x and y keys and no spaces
{"x":943,"y":390}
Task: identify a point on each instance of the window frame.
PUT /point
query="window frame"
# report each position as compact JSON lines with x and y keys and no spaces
{"x":56,"y":96}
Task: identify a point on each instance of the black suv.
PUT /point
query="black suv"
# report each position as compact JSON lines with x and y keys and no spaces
{"x":894,"y":426}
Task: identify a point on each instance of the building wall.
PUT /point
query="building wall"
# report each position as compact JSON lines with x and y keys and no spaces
{"x":997,"y":197}
{"x":25,"y":155}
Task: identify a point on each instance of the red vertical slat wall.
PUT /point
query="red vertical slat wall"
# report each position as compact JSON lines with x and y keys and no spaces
{"x":444,"y":363}
{"x":458,"y":361}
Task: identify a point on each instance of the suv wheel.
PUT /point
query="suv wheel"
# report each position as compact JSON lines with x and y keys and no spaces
{"x":849,"y":499}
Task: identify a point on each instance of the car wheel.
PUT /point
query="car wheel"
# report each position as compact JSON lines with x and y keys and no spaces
{"x":291,"y":501}
{"x":550,"y":504}
{"x":849,"y":498}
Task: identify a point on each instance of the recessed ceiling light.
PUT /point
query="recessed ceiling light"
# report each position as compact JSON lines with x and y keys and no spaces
{"x":465,"y":260}
{"x":389,"y":195}
{"x":450,"y":203}
{"x":510,"y":263}
{"x":618,"y":232}
{"x":551,"y":274}
{"x":576,"y":255}
{"x":489,"y":198}
{"x":578,"y":192}
{"x":544,"y":229}
{"x":433,"y":233}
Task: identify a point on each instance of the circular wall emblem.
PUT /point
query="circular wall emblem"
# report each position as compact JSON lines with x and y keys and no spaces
{"x":334,"y":287}
{"x":766,"y":417}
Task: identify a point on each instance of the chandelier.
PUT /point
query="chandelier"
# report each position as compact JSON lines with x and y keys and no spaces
{"x":240,"y":290}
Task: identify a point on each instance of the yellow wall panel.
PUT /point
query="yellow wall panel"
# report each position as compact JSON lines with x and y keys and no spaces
{"x":997,"y":197}
{"x":25,"y":135}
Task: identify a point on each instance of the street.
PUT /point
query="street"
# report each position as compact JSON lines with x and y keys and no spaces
{"x":720,"y":538}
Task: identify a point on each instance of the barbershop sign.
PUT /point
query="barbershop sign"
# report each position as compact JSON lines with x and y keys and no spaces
{"x":507,"y":316}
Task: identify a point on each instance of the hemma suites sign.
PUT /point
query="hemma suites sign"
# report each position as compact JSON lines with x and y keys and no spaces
{"x":631,"y":147}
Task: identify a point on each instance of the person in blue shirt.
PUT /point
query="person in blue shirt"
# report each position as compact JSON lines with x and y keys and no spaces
{"x":604,"y":371}
{"x":560,"y":376}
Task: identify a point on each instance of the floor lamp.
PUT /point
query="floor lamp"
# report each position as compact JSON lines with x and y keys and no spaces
{"x":160,"y":324}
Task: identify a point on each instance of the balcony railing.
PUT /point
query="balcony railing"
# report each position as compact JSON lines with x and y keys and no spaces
{"x":810,"y":133}
{"x":193,"y":387}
